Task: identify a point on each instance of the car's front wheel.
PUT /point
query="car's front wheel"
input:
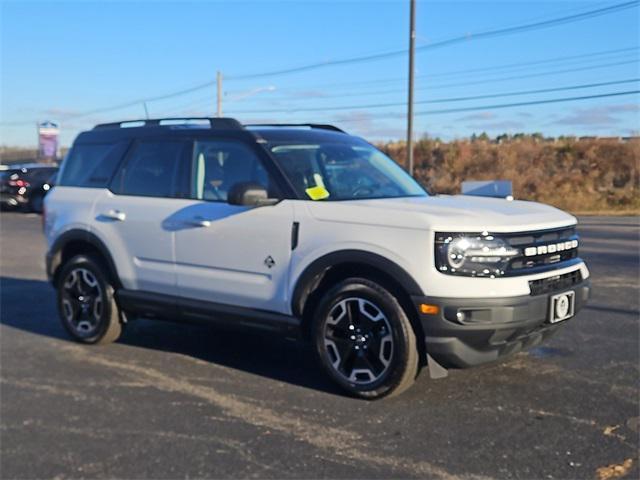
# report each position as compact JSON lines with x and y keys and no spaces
{"x":364,"y":340}
{"x":86,"y":302}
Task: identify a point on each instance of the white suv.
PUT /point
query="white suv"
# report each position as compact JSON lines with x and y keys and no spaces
{"x":305,"y":231}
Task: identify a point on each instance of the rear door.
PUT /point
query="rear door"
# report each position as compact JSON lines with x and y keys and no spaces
{"x":135,"y":215}
{"x":232,"y":254}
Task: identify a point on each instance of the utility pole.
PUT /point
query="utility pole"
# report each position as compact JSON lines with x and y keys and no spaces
{"x":219,"y":85}
{"x":412,"y":40}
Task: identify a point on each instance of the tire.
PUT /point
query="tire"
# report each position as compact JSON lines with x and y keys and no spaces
{"x":86,"y":303}
{"x":364,"y":340}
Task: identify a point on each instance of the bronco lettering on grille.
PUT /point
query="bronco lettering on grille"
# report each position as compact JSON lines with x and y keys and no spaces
{"x":550,"y":248}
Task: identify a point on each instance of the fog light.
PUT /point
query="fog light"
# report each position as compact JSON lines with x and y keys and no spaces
{"x":460,"y":316}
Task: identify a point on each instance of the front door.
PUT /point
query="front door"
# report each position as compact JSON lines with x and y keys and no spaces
{"x":232,"y":254}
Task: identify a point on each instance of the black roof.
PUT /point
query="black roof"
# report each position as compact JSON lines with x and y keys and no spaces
{"x":298,"y":135}
{"x":205,"y":126}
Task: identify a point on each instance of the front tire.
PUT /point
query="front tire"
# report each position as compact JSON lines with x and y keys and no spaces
{"x":86,"y":302}
{"x":364,"y":340}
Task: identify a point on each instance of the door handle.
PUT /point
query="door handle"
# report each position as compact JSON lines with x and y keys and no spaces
{"x":115,"y":215}
{"x":200,"y":222}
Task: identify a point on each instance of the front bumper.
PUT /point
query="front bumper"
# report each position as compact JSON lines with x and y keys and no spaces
{"x":491,"y":328}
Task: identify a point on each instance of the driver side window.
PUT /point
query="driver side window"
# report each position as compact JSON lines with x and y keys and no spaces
{"x":219,"y":165}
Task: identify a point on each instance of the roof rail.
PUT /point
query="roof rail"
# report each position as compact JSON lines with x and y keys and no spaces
{"x":321,"y":126}
{"x":217,"y":123}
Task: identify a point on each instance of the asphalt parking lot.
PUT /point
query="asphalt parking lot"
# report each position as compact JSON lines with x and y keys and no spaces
{"x":171,"y":401}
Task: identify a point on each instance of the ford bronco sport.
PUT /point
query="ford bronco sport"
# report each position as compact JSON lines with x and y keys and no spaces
{"x":309,"y":232}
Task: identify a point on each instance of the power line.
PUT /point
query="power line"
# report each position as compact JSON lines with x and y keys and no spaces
{"x":534,"y":75}
{"x":492,"y":80}
{"x":143,"y":100}
{"x":534,"y":102}
{"x":366,"y":93}
{"x":619,"y":51}
{"x":451,"y":41}
{"x":481,"y":107}
{"x":444,"y":100}
{"x":449,"y":85}
{"x":132,"y":103}
{"x":508,"y":105}
{"x":207,"y":100}
{"x":587,"y":57}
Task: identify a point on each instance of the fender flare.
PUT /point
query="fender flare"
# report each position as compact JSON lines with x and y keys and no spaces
{"x":311,"y":277}
{"x":54,"y":255}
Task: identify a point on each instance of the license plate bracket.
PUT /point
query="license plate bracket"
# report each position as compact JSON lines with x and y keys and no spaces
{"x":562,"y":306}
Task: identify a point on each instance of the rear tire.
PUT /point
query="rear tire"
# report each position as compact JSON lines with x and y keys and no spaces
{"x":86,"y":302}
{"x":364,"y":340}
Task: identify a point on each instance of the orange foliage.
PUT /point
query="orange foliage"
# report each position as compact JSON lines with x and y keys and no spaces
{"x":575,"y":175}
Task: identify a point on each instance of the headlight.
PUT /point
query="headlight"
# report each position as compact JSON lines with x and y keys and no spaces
{"x":472,"y":255}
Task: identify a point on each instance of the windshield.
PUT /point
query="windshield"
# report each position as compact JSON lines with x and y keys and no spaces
{"x":343,"y":171}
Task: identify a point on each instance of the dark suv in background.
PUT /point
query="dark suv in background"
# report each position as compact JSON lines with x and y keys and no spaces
{"x":25,"y":185}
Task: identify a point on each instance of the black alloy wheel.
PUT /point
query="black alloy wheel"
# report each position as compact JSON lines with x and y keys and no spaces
{"x":364,"y":339}
{"x":86,"y":302}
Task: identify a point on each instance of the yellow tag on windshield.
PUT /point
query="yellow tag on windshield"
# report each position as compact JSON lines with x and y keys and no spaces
{"x":317,"y":193}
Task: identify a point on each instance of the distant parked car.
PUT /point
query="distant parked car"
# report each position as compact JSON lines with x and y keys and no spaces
{"x":24,"y":186}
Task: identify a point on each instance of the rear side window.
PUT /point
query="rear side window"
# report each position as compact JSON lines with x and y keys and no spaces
{"x":91,"y":165}
{"x":150,"y":170}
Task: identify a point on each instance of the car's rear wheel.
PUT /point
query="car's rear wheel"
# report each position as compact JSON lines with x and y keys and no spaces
{"x":86,"y":302}
{"x":364,"y":340}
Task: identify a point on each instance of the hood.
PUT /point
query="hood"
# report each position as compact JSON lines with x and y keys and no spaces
{"x":458,"y":213}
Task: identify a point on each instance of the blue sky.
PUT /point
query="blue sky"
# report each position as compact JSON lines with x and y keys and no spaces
{"x":63,"y":60}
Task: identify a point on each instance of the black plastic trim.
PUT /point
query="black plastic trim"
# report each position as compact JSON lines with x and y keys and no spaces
{"x":492,"y":327}
{"x":295,"y":235}
{"x":310,"y":278}
{"x":173,"y":308}
{"x":54,"y":255}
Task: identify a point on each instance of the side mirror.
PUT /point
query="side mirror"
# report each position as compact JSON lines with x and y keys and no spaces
{"x":249,"y":194}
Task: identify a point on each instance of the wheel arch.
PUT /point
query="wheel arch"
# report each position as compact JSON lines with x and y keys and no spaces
{"x":76,"y":242}
{"x":331,"y":268}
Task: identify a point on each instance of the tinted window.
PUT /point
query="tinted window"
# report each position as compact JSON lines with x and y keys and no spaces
{"x":91,"y":165}
{"x":40,"y":174}
{"x":7,"y":174}
{"x":150,"y":170}
{"x":219,"y":165}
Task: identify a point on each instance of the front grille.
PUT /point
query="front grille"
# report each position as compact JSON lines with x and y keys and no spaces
{"x":542,"y":250}
{"x":554,"y":284}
